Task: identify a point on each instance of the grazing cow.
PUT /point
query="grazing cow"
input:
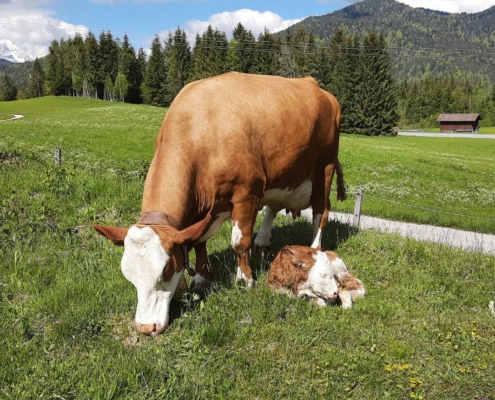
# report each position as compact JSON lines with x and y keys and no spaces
{"x":228,"y":146}
{"x":321,"y":276}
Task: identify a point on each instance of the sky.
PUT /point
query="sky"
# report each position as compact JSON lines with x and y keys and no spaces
{"x":31,"y":25}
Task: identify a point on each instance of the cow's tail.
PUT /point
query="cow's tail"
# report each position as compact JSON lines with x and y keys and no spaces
{"x":341,"y":185}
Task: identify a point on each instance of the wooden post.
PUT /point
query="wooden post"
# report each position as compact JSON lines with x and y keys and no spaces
{"x":357,"y":208}
{"x":58,"y":156}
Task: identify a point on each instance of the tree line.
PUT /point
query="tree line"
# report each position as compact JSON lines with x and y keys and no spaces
{"x":357,"y":71}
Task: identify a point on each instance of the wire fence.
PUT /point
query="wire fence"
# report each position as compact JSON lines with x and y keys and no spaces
{"x":361,"y":194}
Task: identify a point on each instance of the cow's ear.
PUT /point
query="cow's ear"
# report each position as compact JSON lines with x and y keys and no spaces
{"x":116,"y":235}
{"x":193,"y":233}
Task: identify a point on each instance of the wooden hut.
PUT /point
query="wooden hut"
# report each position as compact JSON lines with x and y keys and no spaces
{"x":459,"y":122}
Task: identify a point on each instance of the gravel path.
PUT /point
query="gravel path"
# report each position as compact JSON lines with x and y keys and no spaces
{"x":471,"y":241}
{"x":14,"y":116}
{"x":448,"y":135}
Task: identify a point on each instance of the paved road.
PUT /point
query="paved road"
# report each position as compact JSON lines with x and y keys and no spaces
{"x":471,"y":241}
{"x":447,"y":135}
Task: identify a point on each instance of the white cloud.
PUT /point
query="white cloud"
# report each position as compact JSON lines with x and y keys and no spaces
{"x":31,"y":27}
{"x":452,"y":6}
{"x":252,"y":20}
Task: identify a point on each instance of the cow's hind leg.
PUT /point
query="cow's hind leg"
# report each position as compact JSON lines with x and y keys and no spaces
{"x":320,"y":201}
{"x":243,"y":218}
{"x":262,"y":241}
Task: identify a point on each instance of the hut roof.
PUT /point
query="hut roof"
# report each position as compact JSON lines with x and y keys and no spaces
{"x":459,"y":117}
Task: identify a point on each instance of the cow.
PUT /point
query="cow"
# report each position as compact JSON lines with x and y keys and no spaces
{"x":321,"y":276}
{"x":229,"y":145}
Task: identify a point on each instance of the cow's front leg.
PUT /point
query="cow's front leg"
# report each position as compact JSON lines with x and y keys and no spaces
{"x":202,"y":270}
{"x":243,"y":218}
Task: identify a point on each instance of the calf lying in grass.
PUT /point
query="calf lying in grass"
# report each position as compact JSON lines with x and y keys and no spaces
{"x":321,"y":276}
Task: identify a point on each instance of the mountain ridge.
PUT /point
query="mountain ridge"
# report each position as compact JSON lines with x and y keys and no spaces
{"x":419,"y":39}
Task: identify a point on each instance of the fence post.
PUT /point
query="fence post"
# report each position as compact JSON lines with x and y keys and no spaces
{"x":58,"y":156}
{"x":357,"y":208}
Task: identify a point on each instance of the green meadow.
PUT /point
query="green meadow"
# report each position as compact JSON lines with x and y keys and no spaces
{"x":423,"y":331}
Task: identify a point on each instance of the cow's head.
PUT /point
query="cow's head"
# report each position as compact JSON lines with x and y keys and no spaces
{"x":153,"y":262}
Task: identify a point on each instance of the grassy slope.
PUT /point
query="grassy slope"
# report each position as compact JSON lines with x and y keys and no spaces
{"x":451,"y":175}
{"x":66,"y":311}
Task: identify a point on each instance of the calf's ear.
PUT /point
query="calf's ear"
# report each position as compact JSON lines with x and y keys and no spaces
{"x":113,"y":233}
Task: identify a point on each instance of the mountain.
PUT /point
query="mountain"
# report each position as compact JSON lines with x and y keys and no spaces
{"x":420,"y":40}
{"x":4,"y":64}
{"x":11,"y":52}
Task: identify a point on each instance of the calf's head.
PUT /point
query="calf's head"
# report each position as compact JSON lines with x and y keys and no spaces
{"x":153,"y":261}
{"x":304,"y":271}
{"x":322,"y":276}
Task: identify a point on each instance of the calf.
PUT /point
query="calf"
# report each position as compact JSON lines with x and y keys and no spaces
{"x":321,"y":276}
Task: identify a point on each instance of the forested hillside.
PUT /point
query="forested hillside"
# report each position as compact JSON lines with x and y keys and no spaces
{"x":419,"y":40}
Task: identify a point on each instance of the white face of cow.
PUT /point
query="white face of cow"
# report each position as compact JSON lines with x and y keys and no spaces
{"x":153,"y":263}
{"x":143,"y":264}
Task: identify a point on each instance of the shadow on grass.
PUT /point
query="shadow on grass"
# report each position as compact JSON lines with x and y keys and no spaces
{"x":224,"y":263}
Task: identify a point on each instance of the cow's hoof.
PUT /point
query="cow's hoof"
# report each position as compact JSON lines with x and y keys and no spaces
{"x":241,"y":278}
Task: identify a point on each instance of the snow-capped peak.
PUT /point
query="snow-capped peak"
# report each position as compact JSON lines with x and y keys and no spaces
{"x":10,"y":51}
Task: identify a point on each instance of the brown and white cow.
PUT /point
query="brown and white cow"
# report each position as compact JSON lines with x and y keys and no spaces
{"x":228,"y":146}
{"x":321,"y":276}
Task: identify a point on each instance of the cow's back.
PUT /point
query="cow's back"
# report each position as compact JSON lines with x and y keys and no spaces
{"x":237,"y":122}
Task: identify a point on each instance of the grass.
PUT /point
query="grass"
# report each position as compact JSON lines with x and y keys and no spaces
{"x":66,"y":311}
{"x":400,"y":174}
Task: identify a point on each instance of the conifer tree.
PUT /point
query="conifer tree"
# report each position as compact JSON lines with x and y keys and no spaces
{"x":266,"y":54}
{"x":91,"y":46}
{"x":377,"y":101}
{"x":240,"y":55}
{"x":54,"y":85}
{"x":36,"y":79}
{"x":78,"y":65}
{"x":153,"y":88}
{"x":138,"y":75}
{"x":209,"y":54}
{"x":344,"y":77}
{"x":127,"y":64}
{"x":109,"y":60}
{"x":298,"y":49}
{"x":8,"y":90}
{"x":179,"y":63}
